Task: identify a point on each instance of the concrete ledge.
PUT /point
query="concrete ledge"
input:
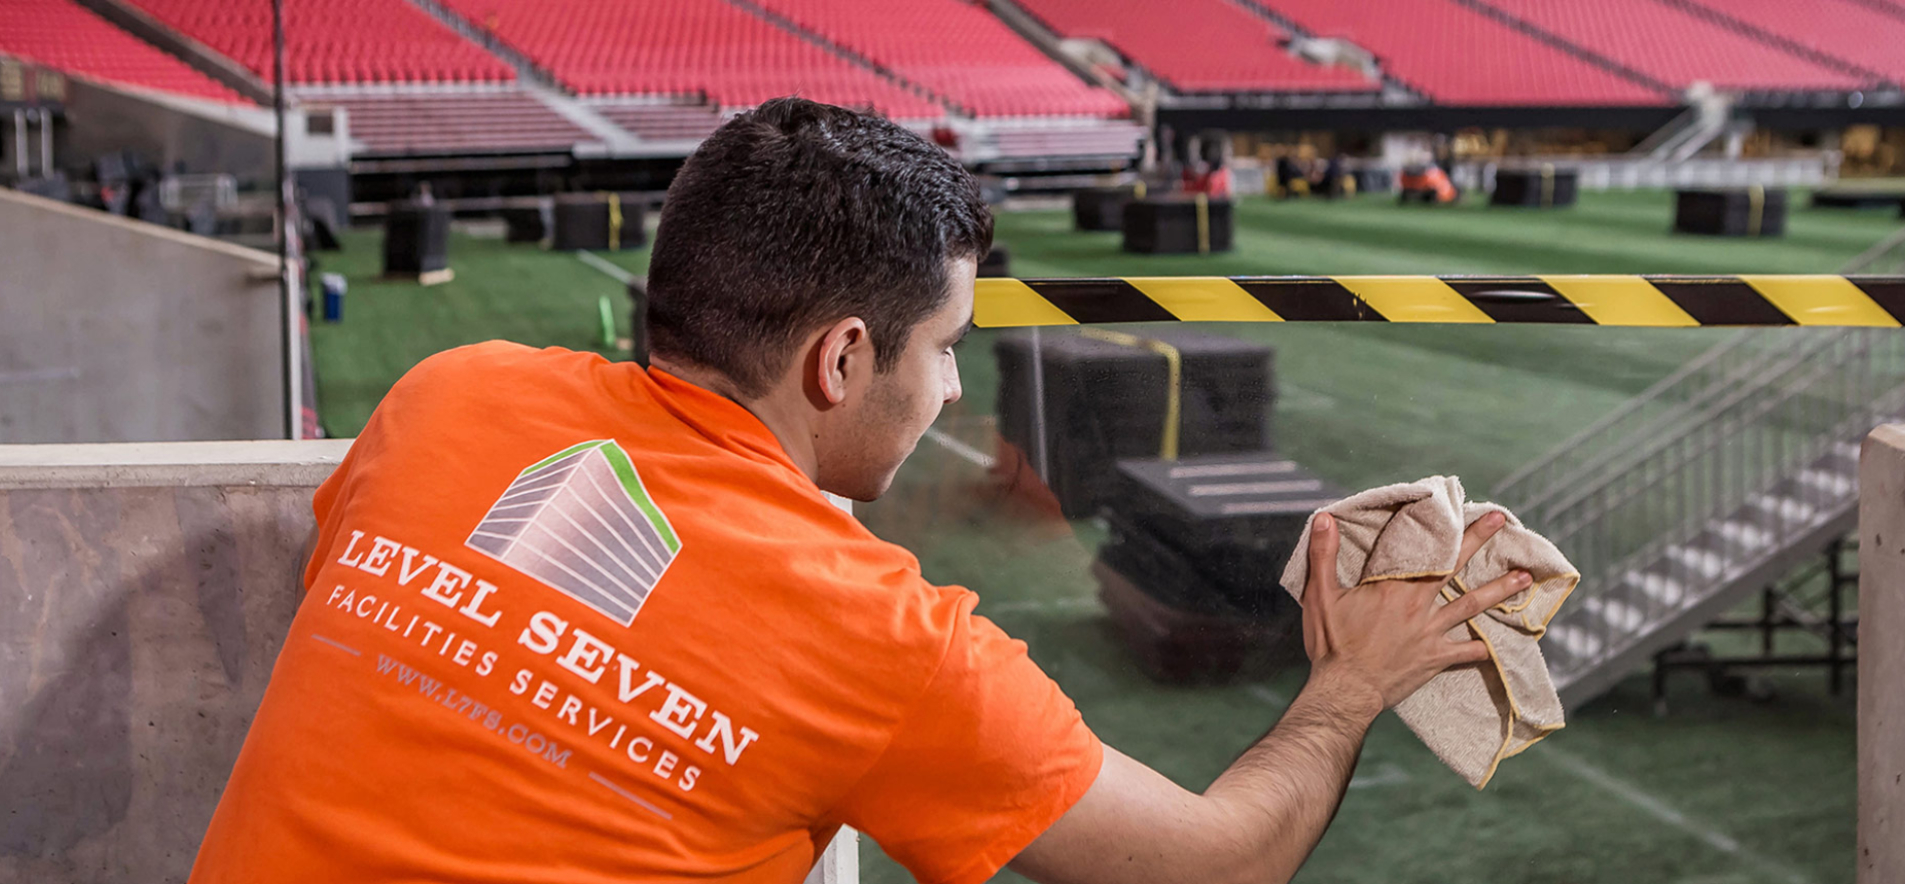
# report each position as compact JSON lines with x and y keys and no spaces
{"x":1881,"y":854}
{"x":171,"y":464}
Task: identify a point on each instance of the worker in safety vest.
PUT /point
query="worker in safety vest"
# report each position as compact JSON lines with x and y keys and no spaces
{"x":576,"y":620}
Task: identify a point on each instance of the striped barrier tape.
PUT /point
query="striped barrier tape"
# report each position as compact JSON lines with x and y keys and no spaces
{"x":1660,"y":301}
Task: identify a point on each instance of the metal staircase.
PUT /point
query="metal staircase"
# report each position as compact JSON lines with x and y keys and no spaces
{"x":1707,"y":487}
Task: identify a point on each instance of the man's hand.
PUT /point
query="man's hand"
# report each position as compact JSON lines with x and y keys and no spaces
{"x":1370,"y":647}
{"x":1387,"y":639}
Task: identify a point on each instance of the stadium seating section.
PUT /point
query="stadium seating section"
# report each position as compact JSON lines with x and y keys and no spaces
{"x":62,"y":35}
{"x":1864,"y":35}
{"x":708,"y":48}
{"x":462,"y":122}
{"x":666,"y":70}
{"x":1673,"y":46}
{"x":335,"y":41}
{"x":1196,"y":45}
{"x":956,"y":50}
{"x":1456,"y":55}
{"x":661,"y":121}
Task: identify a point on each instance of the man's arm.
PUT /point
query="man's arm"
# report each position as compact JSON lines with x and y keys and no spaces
{"x":1259,"y":821}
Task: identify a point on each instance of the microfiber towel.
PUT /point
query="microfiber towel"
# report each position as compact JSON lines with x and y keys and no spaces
{"x":1474,"y":715}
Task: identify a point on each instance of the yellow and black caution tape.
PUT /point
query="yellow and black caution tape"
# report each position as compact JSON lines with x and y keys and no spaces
{"x":1585,"y":300}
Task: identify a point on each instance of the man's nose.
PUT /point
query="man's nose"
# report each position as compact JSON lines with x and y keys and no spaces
{"x":953,"y":390}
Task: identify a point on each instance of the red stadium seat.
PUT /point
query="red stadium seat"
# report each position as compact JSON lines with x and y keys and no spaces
{"x":1456,"y":55}
{"x":958,"y":51}
{"x":1855,"y":32}
{"x":336,"y":41}
{"x":1197,"y":45}
{"x":698,"y":48}
{"x":62,"y":35}
{"x":1676,"y":47}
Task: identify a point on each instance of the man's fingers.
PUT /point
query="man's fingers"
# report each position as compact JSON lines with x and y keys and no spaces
{"x":1476,"y":535}
{"x":1473,"y":651}
{"x":1322,"y":557}
{"x":1475,"y":601}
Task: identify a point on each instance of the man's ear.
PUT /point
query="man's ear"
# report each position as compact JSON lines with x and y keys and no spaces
{"x":845,"y":359}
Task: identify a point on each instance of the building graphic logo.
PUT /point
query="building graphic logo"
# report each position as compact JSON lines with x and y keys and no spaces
{"x":581,"y":522}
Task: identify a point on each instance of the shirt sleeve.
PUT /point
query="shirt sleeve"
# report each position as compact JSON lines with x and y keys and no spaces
{"x":991,"y":754}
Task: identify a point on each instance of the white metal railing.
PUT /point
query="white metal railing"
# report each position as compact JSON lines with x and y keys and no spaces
{"x":1740,"y":419}
{"x":1631,"y":173}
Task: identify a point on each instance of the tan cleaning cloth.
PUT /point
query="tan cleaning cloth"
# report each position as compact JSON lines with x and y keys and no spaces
{"x":1474,"y":715}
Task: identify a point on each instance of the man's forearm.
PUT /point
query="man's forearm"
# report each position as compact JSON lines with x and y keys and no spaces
{"x":1282,"y":792}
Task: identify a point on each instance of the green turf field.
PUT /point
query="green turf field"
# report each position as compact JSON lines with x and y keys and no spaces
{"x":1718,"y":791}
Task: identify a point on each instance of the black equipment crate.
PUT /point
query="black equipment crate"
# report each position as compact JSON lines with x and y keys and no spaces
{"x":416,"y":239}
{"x":1857,"y":198}
{"x":997,"y":263}
{"x":1100,"y":208}
{"x":1106,"y":401}
{"x":1188,"y":582}
{"x":1170,"y":225}
{"x":589,"y":221}
{"x":1741,"y":211}
{"x":1547,"y":187}
{"x":1184,"y":626}
{"x":527,"y":223}
{"x":1238,"y":516}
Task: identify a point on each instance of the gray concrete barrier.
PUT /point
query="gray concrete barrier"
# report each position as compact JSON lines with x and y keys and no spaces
{"x":144,"y":593}
{"x":1881,"y":857}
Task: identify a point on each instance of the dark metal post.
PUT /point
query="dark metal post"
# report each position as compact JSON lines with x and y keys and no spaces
{"x":1835,"y":634}
{"x":286,"y":317}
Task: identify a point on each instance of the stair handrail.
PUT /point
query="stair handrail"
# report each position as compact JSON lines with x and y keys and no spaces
{"x":1727,"y":391}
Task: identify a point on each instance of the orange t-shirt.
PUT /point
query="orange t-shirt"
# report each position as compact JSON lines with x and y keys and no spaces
{"x":573,"y":621}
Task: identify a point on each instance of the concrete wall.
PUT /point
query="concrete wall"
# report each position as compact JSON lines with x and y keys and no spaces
{"x":114,"y":330}
{"x":144,"y":593}
{"x":1881,"y":857}
{"x":204,"y":135}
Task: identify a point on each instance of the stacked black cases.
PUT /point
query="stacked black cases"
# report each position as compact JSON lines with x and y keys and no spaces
{"x":597,"y":221}
{"x":1546,"y":187}
{"x":1100,"y":208}
{"x":1740,"y":211}
{"x":526,"y":223}
{"x":416,"y":240}
{"x":1177,"y":224}
{"x":997,"y":263}
{"x":1106,"y":401}
{"x":1203,"y":541}
{"x":1856,"y":198}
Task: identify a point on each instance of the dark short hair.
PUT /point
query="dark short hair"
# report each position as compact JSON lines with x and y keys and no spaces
{"x":796,"y":215}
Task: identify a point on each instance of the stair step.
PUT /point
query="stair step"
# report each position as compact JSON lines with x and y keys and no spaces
{"x":1658,"y":588}
{"x":1744,"y":535}
{"x":1829,"y":482}
{"x":1786,"y":509}
{"x":1710,"y":565}
{"x":1619,"y":615}
{"x":1575,"y":641}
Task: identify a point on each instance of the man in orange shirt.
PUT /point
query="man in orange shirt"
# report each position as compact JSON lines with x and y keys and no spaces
{"x":573,"y":620}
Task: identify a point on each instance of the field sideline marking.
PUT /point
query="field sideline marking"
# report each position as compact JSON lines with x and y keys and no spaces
{"x":972,"y":455}
{"x":599,"y":263}
{"x":1659,"y":810}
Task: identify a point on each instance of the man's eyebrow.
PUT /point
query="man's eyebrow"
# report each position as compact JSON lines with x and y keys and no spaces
{"x":963,"y":331}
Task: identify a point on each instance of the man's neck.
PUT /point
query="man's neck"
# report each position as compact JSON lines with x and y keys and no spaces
{"x":784,"y":411}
